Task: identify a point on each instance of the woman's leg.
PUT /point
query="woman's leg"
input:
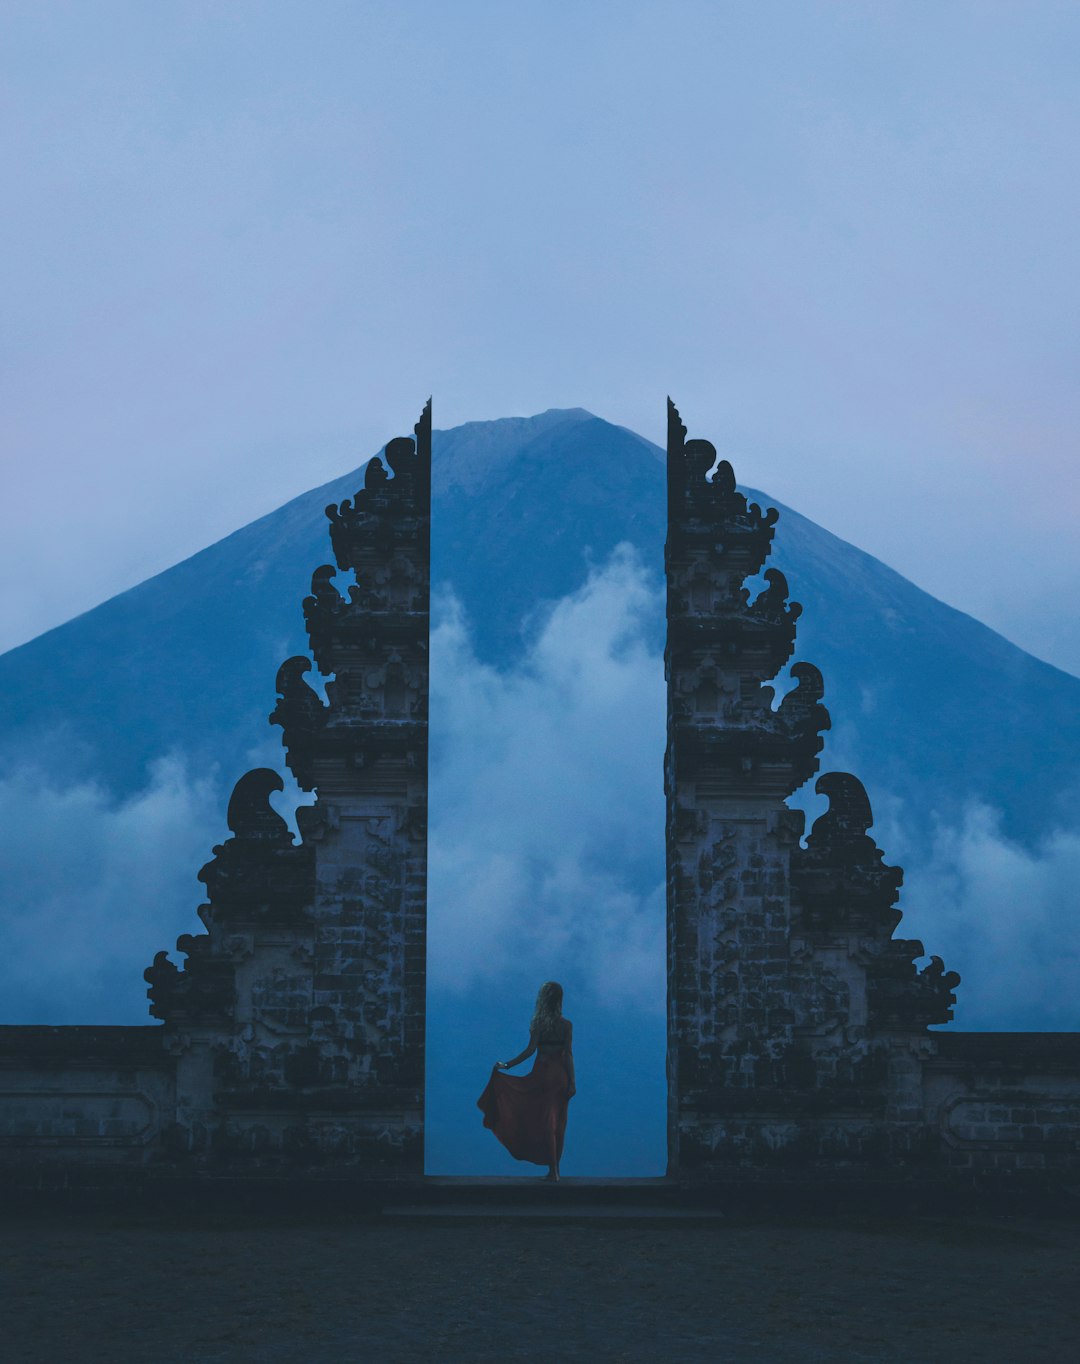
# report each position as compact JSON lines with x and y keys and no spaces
{"x":553,"y":1158}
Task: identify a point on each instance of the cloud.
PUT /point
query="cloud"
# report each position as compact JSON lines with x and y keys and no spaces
{"x":547,"y":824}
{"x":546,"y":852}
{"x":93,"y":887}
{"x":1001,"y":913}
{"x":547,"y":809}
{"x":1006,"y":918}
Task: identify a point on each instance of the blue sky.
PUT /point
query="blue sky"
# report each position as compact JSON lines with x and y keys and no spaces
{"x":243,"y":243}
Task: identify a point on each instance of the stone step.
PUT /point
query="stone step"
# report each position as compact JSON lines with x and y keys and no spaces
{"x":537,"y":1196}
{"x":557,"y":1209}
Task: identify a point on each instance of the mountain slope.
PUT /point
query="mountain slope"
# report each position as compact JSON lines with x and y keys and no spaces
{"x":930,"y":706}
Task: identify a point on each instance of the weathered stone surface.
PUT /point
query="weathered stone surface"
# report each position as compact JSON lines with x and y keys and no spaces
{"x":1006,"y":1101}
{"x":297,"y":1023}
{"x":731,"y":760}
{"x":797,"y":1024}
{"x":367,"y":758}
{"x":97,"y":1095}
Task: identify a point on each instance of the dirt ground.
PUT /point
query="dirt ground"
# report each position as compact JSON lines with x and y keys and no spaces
{"x":327,"y":1290}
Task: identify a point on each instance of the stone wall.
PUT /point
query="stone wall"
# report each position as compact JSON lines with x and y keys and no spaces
{"x":1005,"y":1101}
{"x":93,"y":1095}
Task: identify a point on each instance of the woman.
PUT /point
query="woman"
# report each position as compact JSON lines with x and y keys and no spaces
{"x":528,"y":1112}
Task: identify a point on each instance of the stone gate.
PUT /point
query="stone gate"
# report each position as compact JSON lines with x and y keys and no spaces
{"x":291,"y":1040}
{"x":293,"y":1035}
{"x":798,"y":1025}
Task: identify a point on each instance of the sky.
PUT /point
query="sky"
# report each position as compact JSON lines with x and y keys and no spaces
{"x":244,"y":242}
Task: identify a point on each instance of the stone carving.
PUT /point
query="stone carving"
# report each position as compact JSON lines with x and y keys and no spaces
{"x":841,"y":878}
{"x":306,"y":993}
{"x":842,"y":886}
{"x":301,"y":716}
{"x":786,"y":987}
{"x":162,"y":978}
{"x":256,"y":879}
{"x":365,"y":753}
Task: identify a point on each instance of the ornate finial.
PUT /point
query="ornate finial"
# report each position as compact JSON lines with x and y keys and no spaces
{"x":301,"y":715}
{"x":842,"y":880}
{"x":775,"y":595}
{"x":388,"y":512}
{"x":804,"y":703}
{"x":939,"y":990}
{"x":374,"y":474}
{"x":422,"y":431}
{"x":290,"y":676}
{"x":323,"y":589}
{"x":723,"y":480}
{"x":675,"y":427}
{"x":250,"y":813}
{"x":849,"y":806}
{"x":163,"y":978}
{"x":772,"y":604}
{"x":400,"y":453}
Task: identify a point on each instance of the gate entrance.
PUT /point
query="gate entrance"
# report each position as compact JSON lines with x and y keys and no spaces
{"x":293,"y":1038}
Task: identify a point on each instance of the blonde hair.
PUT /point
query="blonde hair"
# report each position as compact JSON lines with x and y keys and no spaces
{"x":548,"y":1010}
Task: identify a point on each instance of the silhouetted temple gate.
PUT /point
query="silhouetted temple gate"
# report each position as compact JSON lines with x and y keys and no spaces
{"x":298,"y":1021}
{"x":292,"y":1039}
{"x":294,"y":1034}
{"x":798,"y":1026}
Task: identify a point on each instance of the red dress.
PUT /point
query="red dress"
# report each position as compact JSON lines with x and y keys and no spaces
{"x":528,"y":1112}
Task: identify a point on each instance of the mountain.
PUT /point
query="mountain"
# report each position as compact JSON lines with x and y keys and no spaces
{"x":936,"y":709}
{"x":124,"y":729}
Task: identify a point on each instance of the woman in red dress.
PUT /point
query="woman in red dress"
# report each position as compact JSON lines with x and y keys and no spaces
{"x":528,"y":1112}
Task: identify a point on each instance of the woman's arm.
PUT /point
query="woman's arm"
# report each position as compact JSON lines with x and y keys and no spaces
{"x":505,"y":1065}
{"x":568,"y":1058}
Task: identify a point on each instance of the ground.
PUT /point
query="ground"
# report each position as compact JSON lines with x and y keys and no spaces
{"x":321,"y":1290}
